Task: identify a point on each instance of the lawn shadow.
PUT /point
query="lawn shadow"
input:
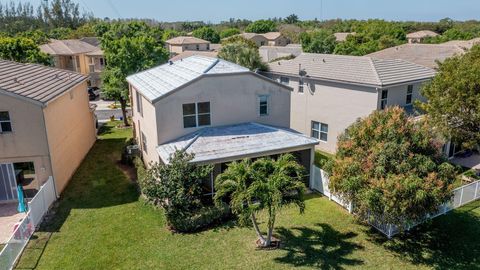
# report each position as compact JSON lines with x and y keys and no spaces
{"x":320,"y":247}
{"x":451,"y":241}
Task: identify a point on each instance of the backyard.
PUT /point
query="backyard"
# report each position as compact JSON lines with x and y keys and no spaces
{"x":101,"y":222}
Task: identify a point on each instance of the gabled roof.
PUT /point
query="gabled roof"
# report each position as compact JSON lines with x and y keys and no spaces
{"x":249,"y":35}
{"x":233,"y":142}
{"x":186,"y":54}
{"x":67,"y":47}
{"x":36,"y":82}
{"x":422,"y":34}
{"x":94,"y":41}
{"x":159,"y":81}
{"x":353,"y":69}
{"x":342,"y":36}
{"x":186,"y":40}
{"x":272,"y":35}
{"x":421,"y":54}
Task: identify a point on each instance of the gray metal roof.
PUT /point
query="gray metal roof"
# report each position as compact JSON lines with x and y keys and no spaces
{"x":235,"y":142}
{"x":269,"y":53}
{"x":156,"y":82}
{"x":353,"y":69}
{"x":422,"y":54}
{"x":36,"y":82}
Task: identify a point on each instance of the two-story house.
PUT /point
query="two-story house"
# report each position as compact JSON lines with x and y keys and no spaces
{"x":217,"y":110}
{"x":46,"y":126}
{"x":78,"y":56}
{"x":181,"y":44}
{"x":267,"y":39}
{"x":332,"y":91}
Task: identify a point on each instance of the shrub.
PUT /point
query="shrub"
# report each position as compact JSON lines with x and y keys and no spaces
{"x":200,"y":219}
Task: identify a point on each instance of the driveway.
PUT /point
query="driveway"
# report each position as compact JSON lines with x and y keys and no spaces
{"x":104,"y":112}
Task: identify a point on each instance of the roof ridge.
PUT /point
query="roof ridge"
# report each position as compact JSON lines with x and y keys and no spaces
{"x":375,"y":71}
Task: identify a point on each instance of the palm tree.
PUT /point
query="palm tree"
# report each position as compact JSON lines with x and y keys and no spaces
{"x":264,"y":184}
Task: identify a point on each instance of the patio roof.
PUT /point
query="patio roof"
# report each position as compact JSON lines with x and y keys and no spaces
{"x":234,"y":142}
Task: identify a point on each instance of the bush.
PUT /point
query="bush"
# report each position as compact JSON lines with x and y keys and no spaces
{"x":200,"y":219}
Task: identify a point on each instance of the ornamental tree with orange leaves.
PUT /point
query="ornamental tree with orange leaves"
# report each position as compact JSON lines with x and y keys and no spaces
{"x":391,"y":166}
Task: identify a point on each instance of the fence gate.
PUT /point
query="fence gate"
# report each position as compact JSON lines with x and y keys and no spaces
{"x":8,"y":182}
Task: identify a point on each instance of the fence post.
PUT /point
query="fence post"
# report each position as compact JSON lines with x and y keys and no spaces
{"x":461,"y":197}
{"x":389,"y":231}
{"x":350,"y":207}
{"x":476,"y":190}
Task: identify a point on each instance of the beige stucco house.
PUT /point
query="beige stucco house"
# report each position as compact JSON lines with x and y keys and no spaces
{"x":267,"y":39}
{"x":332,"y":91}
{"x":420,"y":36}
{"x":178,"y":45}
{"x":77,"y":55}
{"x":215,"y":109}
{"x":46,"y":126}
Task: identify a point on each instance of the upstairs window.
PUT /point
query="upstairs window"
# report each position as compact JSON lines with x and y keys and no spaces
{"x":284,"y":80}
{"x":384,"y":99}
{"x":409,"y":95}
{"x":5,"y":123}
{"x":144,"y":142}
{"x":138,"y":97}
{"x":196,"y":114}
{"x":320,"y":131}
{"x":263,"y":105}
{"x":300,"y":86}
{"x":198,"y":47}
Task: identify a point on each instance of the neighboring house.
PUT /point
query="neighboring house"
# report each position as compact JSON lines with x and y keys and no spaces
{"x":426,"y":54}
{"x":187,"y":54}
{"x":178,"y":45}
{"x":332,"y":91}
{"x":342,"y":36}
{"x":420,"y":36}
{"x":46,"y":126}
{"x":77,"y":55}
{"x":267,"y":39}
{"x":215,"y":109}
{"x":269,"y":53}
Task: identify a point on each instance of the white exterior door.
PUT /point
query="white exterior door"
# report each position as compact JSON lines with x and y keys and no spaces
{"x":8,"y":182}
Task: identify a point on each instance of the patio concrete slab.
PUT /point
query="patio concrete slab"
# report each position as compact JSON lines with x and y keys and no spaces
{"x":8,"y":218}
{"x":472,"y":161}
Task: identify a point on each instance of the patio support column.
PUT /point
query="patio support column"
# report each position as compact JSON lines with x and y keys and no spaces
{"x":211,"y":182}
{"x":312,"y":168}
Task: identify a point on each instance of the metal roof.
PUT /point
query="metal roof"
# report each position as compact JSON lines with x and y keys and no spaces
{"x":67,"y":47}
{"x":234,"y":142}
{"x":353,"y":69}
{"x":156,"y":82}
{"x":36,"y":82}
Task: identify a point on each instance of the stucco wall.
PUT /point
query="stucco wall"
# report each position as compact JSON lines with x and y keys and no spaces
{"x":397,"y":96}
{"x":70,"y":131}
{"x":260,"y":40}
{"x":281,"y":41}
{"x":188,"y":47}
{"x":28,"y":141}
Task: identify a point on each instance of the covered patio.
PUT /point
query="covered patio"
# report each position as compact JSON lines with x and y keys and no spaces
{"x":224,"y":144}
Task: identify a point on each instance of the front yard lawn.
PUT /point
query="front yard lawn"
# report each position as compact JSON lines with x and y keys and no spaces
{"x":102,"y":223}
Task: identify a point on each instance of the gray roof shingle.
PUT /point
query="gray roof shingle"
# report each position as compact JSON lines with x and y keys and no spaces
{"x":234,"y":142}
{"x":36,"y":82}
{"x":156,"y":82}
{"x":353,"y":69}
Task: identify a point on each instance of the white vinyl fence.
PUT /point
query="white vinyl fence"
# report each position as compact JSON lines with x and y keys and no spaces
{"x":37,"y":208}
{"x":461,"y":196}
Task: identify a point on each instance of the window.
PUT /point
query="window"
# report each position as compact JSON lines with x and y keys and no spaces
{"x":409,"y":95}
{"x":144,"y":142}
{"x":139,"y":103}
{"x":300,"y":86}
{"x":263,"y":105}
{"x":320,"y":131}
{"x":208,"y":47}
{"x":196,"y":114}
{"x":262,"y":43}
{"x":284,"y":80}
{"x":198,"y":47}
{"x":5,"y":123}
{"x":101,"y":62}
{"x":383,"y":100}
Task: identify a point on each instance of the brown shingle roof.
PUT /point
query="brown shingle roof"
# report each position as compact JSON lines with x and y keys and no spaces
{"x":67,"y":47}
{"x":36,"y":82}
{"x":186,"y":40}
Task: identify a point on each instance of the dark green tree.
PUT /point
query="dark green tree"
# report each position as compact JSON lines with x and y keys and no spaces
{"x":291,"y":19}
{"x":242,"y":54}
{"x":318,"y":41}
{"x":22,"y":50}
{"x":229,"y":32}
{"x":207,"y":33}
{"x":261,"y":26}
{"x":454,"y":98}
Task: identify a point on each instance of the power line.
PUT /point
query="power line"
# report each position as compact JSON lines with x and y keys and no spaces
{"x":114,"y":8}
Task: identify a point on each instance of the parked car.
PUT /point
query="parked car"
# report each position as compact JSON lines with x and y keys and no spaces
{"x":93,"y":93}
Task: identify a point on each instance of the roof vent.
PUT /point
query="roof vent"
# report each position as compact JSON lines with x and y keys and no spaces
{"x":170,"y":63}
{"x":324,"y":60}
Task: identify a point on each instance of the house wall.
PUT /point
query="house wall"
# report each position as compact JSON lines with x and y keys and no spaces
{"x":188,"y":47}
{"x":260,"y":40}
{"x":397,"y":96}
{"x":70,"y":132}
{"x":233,"y":100}
{"x":281,"y":41}
{"x":28,"y":141}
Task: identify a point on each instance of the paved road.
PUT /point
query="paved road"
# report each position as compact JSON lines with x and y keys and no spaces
{"x":104,"y":113}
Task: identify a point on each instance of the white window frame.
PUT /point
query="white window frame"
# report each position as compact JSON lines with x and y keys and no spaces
{"x":284,"y":80}
{"x":6,"y":121}
{"x":409,"y":95}
{"x":138,"y":98}
{"x":197,"y":114}
{"x":267,"y":99}
{"x":301,"y":86}
{"x":319,"y":131}
{"x":383,"y":101}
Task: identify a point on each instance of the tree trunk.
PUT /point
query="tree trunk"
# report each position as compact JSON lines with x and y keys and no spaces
{"x":257,"y":230}
{"x":123,"y":105}
{"x":271,"y":225}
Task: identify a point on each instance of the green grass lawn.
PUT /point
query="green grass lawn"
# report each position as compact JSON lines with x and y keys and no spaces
{"x":102,"y":223}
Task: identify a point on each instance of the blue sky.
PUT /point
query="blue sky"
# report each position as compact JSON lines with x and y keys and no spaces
{"x":218,"y":10}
